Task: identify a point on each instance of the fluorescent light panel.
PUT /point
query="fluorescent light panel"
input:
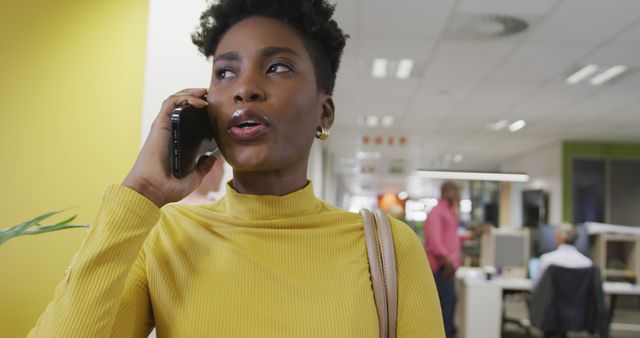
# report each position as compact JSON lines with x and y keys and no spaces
{"x":498,"y":125}
{"x":387,"y":121}
{"x":383,"y":68}
{"x":404,"y":69}
{"x":364,"y":155}
{"x":608,"y":75}
{"x":582,"y":74}
{"x":473,"y":176}
{"x":372,"y":121}
{"x":379,"y":70}
{"x":515,"y":126}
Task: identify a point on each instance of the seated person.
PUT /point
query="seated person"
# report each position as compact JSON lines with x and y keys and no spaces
{"x":565,"y":255}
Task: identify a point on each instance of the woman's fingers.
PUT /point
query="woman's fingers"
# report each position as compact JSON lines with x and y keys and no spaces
{"x":182,"y":98}
{"x":192,"y":91}
{"x":185,"y":96}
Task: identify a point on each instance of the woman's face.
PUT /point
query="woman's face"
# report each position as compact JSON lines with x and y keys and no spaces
{"x":264,"y":98}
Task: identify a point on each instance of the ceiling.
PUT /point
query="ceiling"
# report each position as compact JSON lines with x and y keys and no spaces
{"x":463,"y":80}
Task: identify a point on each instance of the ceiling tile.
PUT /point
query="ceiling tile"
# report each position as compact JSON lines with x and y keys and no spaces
{"x":617,"y":54}
{"x":446,"y":89}
{"x":483,"y":114}
{"x":349,"y":63}
{"x":538,"y":61}
{"x":632,"y":78}
{"x":384,"y":89}
{"x":574,"y":21}
{"x":404,"y":18}
{"x":607,"y":101}
{"x":467,"y":60}
{"x":462,"y":84}
{"x":346,"y":15}
{"x":429,"y":108}
{"x":552,"y":98}
{"x":494,"y":97}
{"x":630,"y":133}
{"x":538,"y":7}
{"x":632,"y":35}
{"x":627,"y":117}
{"x":382,"y":106}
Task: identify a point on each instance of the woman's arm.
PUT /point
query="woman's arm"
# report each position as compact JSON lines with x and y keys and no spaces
{"x":104,"y":289}
{"x":135,"y":316}
{"x":419,"y":313}
{"x":95,"y":293}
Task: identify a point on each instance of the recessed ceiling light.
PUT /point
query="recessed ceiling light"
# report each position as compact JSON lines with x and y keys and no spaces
{"x":608,"y":75}
{"x":379,"y":69}
{"x":372,"y":121}
{"x":368,"y":155}
{"x":387,"y":121}
{"x":582,"y":74}
{"x":404,"y":69}
{"x":498,"y":125}
{"x":515,"y":126}
{"x":458,"y":158}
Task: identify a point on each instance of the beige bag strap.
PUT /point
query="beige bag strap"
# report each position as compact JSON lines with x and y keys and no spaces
{"x":382,"y":263}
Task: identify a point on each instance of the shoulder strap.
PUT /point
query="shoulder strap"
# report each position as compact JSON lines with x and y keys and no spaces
{"x":382,"y":263}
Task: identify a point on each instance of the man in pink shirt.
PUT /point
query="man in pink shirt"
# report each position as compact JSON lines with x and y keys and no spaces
{"x":443,"y":250}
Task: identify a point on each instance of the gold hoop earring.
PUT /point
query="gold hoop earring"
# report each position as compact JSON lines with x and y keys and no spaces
{"x":322,"y":133}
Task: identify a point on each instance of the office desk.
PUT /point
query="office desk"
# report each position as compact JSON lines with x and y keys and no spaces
{"x":479,"y":309}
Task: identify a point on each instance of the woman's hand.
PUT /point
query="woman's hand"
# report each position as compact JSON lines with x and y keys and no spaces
{"x":151,"y":175}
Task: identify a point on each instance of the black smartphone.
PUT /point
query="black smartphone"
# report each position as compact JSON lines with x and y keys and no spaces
{"x":191,"y":138}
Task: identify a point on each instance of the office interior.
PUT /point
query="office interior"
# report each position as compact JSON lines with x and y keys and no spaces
{"x":531,"y":107}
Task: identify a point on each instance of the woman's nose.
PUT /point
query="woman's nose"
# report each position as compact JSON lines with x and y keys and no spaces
{"x":248,"y":91}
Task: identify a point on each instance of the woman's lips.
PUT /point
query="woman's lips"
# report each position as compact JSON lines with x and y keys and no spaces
{"x":247,"y":125}
{"x":248,"y":133}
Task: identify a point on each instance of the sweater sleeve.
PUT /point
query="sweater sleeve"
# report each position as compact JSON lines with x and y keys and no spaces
{"x":105,"y":285}
{"x":419,"y":313}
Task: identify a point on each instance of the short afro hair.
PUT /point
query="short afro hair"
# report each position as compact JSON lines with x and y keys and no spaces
{"x":322,"y":37}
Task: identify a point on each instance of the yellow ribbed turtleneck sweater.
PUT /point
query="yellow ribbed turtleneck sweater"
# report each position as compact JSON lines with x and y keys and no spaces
{"x":245,"y":266}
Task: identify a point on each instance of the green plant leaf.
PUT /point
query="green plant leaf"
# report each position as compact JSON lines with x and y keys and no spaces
{"x":50,"y":228}
{"x":23,"y":226}
{"x":34,"y":226}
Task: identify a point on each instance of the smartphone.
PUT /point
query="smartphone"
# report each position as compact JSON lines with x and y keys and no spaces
{"x":191,"y":138}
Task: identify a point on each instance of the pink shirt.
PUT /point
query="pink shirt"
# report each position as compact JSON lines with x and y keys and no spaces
{"x":441,"y":236}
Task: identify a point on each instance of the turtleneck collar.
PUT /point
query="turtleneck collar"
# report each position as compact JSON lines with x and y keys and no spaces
{"x":256,"y":207}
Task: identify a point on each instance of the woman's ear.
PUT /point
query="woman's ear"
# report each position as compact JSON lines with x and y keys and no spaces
{"x":328,"y":111}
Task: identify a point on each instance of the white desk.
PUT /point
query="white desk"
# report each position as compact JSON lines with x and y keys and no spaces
{"x":479,"y":308}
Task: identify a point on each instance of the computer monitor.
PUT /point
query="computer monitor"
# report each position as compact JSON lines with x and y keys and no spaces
{"x":506,"y":249}
{"x":547,"y":239}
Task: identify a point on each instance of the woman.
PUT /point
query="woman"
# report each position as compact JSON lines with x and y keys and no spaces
{"x":269,"y":259}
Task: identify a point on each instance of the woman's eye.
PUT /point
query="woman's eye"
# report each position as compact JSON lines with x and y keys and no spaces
{"x":224,"y":74}
{"x":278,"y":68}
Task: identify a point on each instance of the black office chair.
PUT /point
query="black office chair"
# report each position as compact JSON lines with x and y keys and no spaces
{"x":569,"y":300}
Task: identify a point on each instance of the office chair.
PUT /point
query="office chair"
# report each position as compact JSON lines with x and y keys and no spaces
{"x":568,"y":299}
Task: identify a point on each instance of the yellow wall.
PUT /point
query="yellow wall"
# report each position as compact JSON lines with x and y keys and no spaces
{"x":71,"y":78}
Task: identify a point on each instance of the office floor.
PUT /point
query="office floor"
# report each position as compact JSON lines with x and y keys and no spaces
{"x":627,"y":312}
